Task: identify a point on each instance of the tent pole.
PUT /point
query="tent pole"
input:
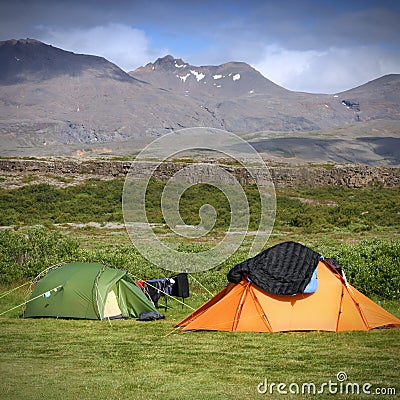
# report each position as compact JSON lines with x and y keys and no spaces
{"x":359,"y":309}
{"x":261,"y":310}
{"x":240,"y":307}
{"x":340,"y":309}
{"x":97,"y":293}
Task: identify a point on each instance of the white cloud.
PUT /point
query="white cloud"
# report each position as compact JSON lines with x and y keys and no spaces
{"x":329,"y":71}
{"x":123,"y":45}
{"x":280,"y":65}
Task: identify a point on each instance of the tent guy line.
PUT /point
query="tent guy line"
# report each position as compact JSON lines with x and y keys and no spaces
{"x":55,"y":289}
{"x":14,"y":289}
{"x":191,"y":275}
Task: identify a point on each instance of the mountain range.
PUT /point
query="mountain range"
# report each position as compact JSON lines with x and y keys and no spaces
{"x":51,"y":99}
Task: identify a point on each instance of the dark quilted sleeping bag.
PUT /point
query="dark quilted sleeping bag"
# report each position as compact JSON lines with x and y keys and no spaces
{"x":284,"y":269}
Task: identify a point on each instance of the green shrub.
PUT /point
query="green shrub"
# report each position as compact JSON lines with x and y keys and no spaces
{"x":354,"y":210}
{"x":372,"y":266}
{"x":95,"y":200}
{"x":25,"y":253}
{"x":308,"y":210}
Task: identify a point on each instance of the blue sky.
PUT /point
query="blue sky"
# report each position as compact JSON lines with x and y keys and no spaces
{"x":314,"y":46}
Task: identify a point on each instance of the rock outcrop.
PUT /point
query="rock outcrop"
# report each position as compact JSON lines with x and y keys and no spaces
{"x":355,"y":176}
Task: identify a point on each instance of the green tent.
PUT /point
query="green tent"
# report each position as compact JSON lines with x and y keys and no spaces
{"x":87,"y":290}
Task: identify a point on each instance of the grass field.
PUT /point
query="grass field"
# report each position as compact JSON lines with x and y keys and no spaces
{"x":66,"y":359}
{"x":72,"y":359}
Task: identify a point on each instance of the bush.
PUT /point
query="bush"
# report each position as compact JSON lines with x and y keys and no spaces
{"x":372,"y":266}
{"x":327,"y":208}
{"x":94,"y":200}
{"x":25,"y":253}
{"x":305,"y":210}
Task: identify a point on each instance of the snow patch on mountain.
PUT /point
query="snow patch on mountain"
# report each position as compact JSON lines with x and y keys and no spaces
{"x":217,"y":76}
{"x":180,"y":65}
{"x":183,"y":77}
{"x":236,"y":77}
{"x":199,"y":75}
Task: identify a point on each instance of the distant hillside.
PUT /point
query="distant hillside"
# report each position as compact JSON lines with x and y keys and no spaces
{"x":29,"y":60}
{"x":51,"y":97}
{"x":378,"y":99}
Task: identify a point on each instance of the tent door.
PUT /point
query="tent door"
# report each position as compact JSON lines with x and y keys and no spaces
{"x":111,"y":307}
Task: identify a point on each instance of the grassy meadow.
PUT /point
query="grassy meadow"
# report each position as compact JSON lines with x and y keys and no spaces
{"x":70,"y":359}
{"x":65,"y":359}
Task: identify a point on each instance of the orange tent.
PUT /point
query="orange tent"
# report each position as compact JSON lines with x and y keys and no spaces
{"x":334,"y":306}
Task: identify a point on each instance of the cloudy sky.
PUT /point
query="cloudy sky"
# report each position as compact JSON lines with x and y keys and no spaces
{"x":308,"y":45}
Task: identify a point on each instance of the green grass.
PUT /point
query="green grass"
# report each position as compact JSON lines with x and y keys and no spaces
{"x":66,"y":359}
{"x":69,"y":359}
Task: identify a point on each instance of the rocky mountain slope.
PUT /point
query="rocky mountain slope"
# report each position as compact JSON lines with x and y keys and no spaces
{"x":242,"y":100}
{"x":28,"y":60}
{"x":232,"y":79}
{"x":49,"y":97}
